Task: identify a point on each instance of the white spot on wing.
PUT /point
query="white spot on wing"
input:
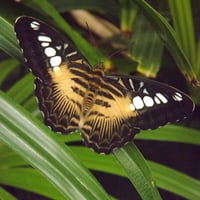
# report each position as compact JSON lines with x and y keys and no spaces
{"x":145,"y":91}
{"x":66,"y":46}
{"x":49,"y":51}
{"x":71,"y":54}
{"x":141,"y":84}
{"x":58,"y":47}
{"x":55,"y":69}
{"x":177,"y":96}
{"x":138,"y":103}
{"x":132,"y":107}
{"x":157,"y":100}
{"x":44,"y":38}
{"x":148,"y":101}
{"x":131,"y":84}
{"x":162,"y":97}
{"x":45,"y":44}
{"x":55,"y":61}
{"x":35,"y":25}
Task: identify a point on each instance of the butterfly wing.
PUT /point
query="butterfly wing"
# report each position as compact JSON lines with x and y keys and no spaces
{"x":122,"y":106}
{"x":44,"y":47}
{"x":56,"y":63}
{"x":60,"y":99}
{"x":157,"y":103}
{"x":127,"y":104}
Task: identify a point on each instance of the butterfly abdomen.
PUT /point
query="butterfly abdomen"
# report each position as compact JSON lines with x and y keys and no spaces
{"x":88,"y":102}
{"x":94,"y":85}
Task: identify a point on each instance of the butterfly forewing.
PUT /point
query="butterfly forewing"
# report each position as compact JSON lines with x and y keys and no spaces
{"x":108,"y":110}
{"x":52,"y":58}
{"x":60,"y":99}
{"x":43,"y":47}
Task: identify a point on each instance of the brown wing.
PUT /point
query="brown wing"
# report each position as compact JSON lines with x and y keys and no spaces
{"x":60,"y":98}
{"x":109,"y":124}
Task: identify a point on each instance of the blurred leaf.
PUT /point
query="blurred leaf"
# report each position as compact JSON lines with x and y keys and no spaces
{"x":183,"y":24}
{"x":93,"y":5}
{"x":146,"y":48}
{"x":22,"y":89}
{"x":169,"y":38}
{"x":8,"y":158}
{"x":4,"y":195}
{"x":172,"y":133}
{"x":8,"y":42}
{"x":128,"y":15}
{"x":176,"y":182}
{"x":37,"y":183}
{"x":6,"y":67}
{"x":92,"y":54}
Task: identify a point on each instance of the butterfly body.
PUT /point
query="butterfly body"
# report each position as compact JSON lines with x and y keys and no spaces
{"x":108,"y":110}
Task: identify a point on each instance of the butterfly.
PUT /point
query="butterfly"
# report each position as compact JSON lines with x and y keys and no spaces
{"x":108,"y":110}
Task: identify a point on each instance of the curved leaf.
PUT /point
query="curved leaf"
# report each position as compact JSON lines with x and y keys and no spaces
{"x":32,"y":140}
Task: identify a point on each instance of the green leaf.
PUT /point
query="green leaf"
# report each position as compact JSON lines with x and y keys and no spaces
{"x":22,"y":89}
{"x":94,"y":5}
{"x":8,"y":42}
{"x":172,"y":133}
{"x":168,"y":36}
{"x":166,"y":178}
{"x":32,"y":140}
{"x":127,"y":15}
{"x":183,"y":24}
{"x":6,"y":67}
{"x":146,"y":48}
{"x":176,"y":182}
{"x":8,"y":158}
{"x":4,"y":195}
{"x":138,"y":171}
{"x":37,"y":183}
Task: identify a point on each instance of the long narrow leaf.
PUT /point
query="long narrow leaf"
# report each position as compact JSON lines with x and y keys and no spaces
{"x":138,"y":171}
{"x":31,"y":139}
{"x":183,"y":24}
{"x":37,"y":183}
{"x":4,"y":195}
{"x":8,"y":42}
{"x":172,"y":133}
{"x":165,"y":177}
{"x":176,"y":182}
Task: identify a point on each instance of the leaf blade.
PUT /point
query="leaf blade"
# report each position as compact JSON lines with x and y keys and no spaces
{"x":30,"y":139}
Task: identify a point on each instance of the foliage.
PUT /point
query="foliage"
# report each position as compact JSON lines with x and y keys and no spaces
{"x":29,"y":149}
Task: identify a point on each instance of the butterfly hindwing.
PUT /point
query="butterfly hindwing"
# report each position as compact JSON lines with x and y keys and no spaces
{"x":109,"y":123}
